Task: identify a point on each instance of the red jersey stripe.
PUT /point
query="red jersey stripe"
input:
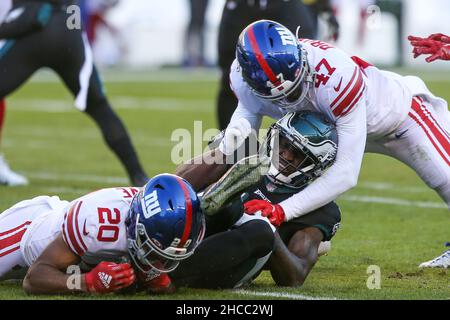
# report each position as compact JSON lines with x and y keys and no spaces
{"x":350,"y":96}
{"x":412,"y":116}
{"x":437,"y":123}
{"x":73,"y":243}
{"x":15,"y":229}
{"x":345,"y":89}
{"x":12,"y":240}
{"x":353,"y":103}
{"x":432,"y":125}
{"x":77,"y":228}
{"x":9,"y":251}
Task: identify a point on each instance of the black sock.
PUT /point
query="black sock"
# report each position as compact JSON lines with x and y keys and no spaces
{"x":118,"y":140}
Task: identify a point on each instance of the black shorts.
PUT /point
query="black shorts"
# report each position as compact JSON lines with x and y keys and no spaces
{"x":327,"y":219}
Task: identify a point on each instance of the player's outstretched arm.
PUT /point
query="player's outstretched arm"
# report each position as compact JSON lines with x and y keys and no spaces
{"x":204,"y":169}
{"x":290,"y":266}
{"x":436,"y":45}
{"x":47,"y":275}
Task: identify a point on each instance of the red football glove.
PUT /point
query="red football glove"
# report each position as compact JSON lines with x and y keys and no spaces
{"x":108,"y":277}
{"x":437,"y":45}
{"x":274,"y":212}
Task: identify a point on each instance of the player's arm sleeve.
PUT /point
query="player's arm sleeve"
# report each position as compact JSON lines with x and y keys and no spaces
{"x":74,"y":229}
{"x":343,"y":174}
{"x":243,"y":112}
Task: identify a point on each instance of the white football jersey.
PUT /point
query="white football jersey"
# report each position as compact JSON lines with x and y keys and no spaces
{"x":93,"y":226}
{"x":363,"y":101}
{"x":341,"y":82}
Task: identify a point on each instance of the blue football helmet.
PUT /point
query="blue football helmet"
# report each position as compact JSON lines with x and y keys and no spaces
{"x":301,"y":146}
{"x":274,"y":64}
{"x":165,"y":224}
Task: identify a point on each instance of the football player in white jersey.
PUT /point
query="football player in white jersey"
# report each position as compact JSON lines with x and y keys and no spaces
{"x":113,"y":235}
{"x":374,"y":111}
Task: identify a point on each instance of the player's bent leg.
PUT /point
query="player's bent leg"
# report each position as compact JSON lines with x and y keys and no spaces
{"x":79,"y":74}
{"x":423,"y":143}
{"x":13,"y":225}
{"x":114,"y":132}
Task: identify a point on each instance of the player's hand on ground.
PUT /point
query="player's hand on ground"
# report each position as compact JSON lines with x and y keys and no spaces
{"x":157,"y":283}
{"x":109,"y":277}
{"x":274,"y":212}
{"x":436,"y":45}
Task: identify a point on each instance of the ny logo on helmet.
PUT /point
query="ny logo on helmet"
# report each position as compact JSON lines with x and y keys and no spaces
{"x":286,"y":36}
{"x":151,"y":205}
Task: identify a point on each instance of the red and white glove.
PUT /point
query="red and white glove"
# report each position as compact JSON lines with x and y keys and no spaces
{"x":274,"y":212}
{"x":437,"y":45}
{"x":108,"y":277}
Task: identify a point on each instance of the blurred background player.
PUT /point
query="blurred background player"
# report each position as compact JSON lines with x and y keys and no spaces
{"x":39,"y":37}
{"x":436,"y":45}
{"x":194,"y":40}
{"x":324,"y":9}
{"x":7,"y":176}
{"x":235,"y":16}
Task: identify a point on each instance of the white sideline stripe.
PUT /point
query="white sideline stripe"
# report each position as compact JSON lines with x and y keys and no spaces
{"x":281,"y":295}
{"x":118,"y":102}
{"x":395,"y":201}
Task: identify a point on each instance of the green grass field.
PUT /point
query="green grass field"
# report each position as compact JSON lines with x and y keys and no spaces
{"x":390,"y":220}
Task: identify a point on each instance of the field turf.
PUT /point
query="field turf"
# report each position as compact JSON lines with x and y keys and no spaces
{"x":391,"y":219}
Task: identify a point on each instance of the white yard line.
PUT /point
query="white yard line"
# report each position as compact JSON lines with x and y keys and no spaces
{"x":394,"y":201}
{"x":281,"y":295}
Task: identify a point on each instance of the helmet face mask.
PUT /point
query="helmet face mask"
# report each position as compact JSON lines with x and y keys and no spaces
{"x":158,"y":240}
{"x":301,"y":147}
{"x":274,"y":64}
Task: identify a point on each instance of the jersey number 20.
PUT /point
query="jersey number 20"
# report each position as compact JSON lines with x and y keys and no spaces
{"x":109,"y":220}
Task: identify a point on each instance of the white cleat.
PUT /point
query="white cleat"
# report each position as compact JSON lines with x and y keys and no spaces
{"x":324,"y":248}
{"x":9,"y":177}
{"x":443,"y":261}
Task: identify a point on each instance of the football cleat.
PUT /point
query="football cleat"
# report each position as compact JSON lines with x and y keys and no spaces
{"x":242,"y":175}
{"x":324,"y":248}
{"x":9,"y":177}
{"x":443,"y":261}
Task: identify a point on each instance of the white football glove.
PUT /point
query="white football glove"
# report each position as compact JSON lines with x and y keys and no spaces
{"x":234,"y":136}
